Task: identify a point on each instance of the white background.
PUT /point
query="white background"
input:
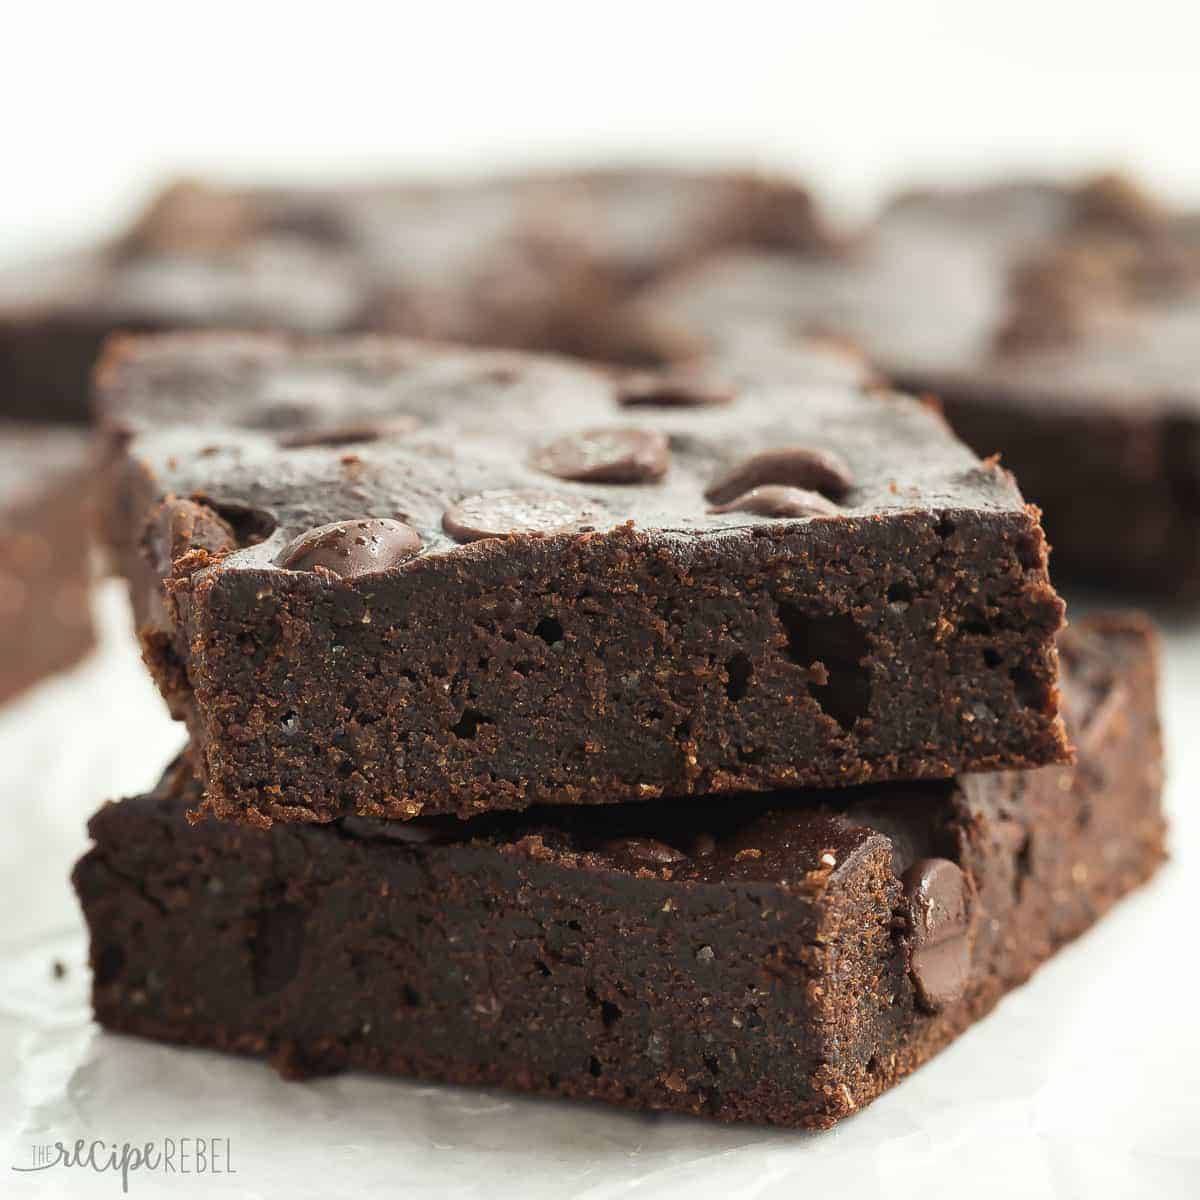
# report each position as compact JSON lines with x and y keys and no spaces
{"x":1084,"y":1084}
{"x":98,"y":100}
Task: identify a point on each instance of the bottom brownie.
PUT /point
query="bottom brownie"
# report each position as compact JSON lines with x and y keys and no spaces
{"x":781,"y":960}
{"x":45,"y":617}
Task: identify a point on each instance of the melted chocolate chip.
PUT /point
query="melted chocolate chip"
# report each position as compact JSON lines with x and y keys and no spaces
{"x":645,"y":851}
{"x":606,"y":456}
{"x":939,"y":899}
{"x":505,"y":512}
{"x":352,"y":548}
{"x":672,"y":391}
{"x":779,"y":500}
{"x":795,"y":466}
{"x":347,"y":435}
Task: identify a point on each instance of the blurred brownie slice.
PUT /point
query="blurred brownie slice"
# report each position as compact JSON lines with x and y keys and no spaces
{"x":45,"y":615}
{"x":541,"y":261}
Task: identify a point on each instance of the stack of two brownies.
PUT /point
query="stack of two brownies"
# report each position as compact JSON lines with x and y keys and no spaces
{"x":688,"y":741}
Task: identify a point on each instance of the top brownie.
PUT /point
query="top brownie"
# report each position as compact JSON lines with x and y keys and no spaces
{"x":406,"y":578}
{"x":540,"y":261}
{"x":1039,"y":315}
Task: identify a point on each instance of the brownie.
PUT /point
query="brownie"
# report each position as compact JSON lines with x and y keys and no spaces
{"x":409,"y":578}
{"x":542,"y":261}
{"x":45,"y":615}
{"x":784,"y":960}
{"x":1043,"y":317}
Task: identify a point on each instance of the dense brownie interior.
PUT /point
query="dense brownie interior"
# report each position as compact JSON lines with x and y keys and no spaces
{"x":783,"y":961}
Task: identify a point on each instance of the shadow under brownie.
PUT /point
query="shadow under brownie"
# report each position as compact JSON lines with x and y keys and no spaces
{"x":407,"y":578}
{"x":784,"y":960}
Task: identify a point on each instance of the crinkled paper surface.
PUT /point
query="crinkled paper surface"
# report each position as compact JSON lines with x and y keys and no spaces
{"x":1085,"y":1083}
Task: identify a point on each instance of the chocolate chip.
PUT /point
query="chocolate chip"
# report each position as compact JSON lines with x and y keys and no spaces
{"x":939,"y":900}
{"x":795,"y":466}
{"x":606,"y":456}
{"x":672,"y":391}
{"x":348,"y":435}
{"x":1114,"y":201}
{"x":704,"y":845}
{"x":505,"y":512}
{"x":780,"y":216}
{"x":190,"y":218}
{"x":779,"y":500}
{"x":644,"y":850}
{"x":352,"y":548}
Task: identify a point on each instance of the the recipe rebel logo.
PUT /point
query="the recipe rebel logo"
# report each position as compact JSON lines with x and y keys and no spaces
{"x":164,"y":1156}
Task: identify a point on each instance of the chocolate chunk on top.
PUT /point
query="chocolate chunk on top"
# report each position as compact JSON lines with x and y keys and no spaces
{"x":502,"y":513}
{"x":821,"y":471}
{"x":672,"y":390}
{"x":606,"y":456}
{"x":352,"y":548}
{"x":778,"y":500}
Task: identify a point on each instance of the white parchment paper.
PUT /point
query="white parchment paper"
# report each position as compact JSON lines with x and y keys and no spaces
{"x":1085,"y":1083}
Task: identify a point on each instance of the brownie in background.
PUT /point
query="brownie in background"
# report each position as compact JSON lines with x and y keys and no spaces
{"x":542,"y":261}
{"x":45,"y":615}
